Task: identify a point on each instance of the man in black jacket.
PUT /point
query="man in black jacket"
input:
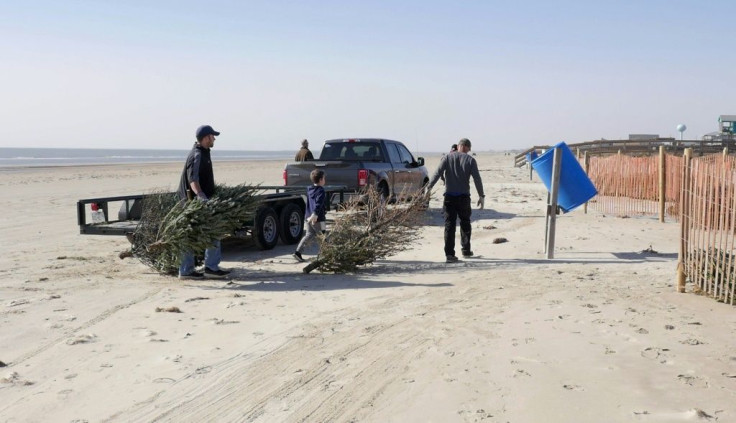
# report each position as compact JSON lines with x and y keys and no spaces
{"x":198,"y":183}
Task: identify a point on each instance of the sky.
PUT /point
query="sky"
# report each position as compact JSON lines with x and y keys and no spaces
{"x":267,"y":74}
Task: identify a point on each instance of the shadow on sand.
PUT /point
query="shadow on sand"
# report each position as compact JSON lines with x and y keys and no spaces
{"x":436,"y":218}
{"x":245,"y":278}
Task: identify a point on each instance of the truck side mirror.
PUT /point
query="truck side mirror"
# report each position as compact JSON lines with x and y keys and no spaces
{"x":420,"y":161}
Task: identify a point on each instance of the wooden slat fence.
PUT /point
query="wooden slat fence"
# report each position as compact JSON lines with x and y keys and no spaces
{"x":629,"y":186}
{"x":708,"y":227}
{"x":699,"y":192}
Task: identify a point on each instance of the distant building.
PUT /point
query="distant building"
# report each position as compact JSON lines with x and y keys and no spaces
{"x":718,"y":136}
{"x":713,"y":136}
{"x":726,"y":132}
{"x":727,"y":124}
{"x":641,"y":137}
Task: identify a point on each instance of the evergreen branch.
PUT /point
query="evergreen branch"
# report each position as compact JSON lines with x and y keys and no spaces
{"x":169,"y":227}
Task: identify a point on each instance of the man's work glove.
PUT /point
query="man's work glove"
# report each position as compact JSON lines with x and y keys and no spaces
{"x":312,"y":219}
{"x":202,"y":197}
{"x":481,"y":202}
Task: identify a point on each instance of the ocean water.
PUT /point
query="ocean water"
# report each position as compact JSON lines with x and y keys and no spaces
{"x":25,"y":157}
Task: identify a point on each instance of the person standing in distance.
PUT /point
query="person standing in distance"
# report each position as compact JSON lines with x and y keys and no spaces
{"x":453,"y":148}
{"x":457,"y":167}
{"x":304,"y":154}
{"x":316,"y":213}
{"x":197,"y":183}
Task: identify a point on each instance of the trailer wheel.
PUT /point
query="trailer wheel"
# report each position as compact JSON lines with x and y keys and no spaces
{"x":266,"y":228}
{"x":292,"y":224}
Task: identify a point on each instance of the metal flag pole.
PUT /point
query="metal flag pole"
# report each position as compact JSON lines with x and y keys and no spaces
{"x":546,"y":224}
{"x":552,"y":204}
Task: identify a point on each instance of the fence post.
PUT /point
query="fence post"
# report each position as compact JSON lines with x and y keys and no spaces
{"x":684,"y":220}
{"x":725,"y":152}
{"x":662,"y":183}
{"x":531,"y":169}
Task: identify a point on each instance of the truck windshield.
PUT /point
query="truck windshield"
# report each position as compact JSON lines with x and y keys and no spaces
{"x":352,"y":151}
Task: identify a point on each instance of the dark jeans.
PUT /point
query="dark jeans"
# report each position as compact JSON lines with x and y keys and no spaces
{"x":456,"y":207}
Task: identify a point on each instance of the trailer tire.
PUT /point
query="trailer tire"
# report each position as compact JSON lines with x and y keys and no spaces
{"x":266,"y":228}
{"x":292,"y":224}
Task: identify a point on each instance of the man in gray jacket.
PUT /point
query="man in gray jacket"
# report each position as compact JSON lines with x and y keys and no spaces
{"x":457,"y":167}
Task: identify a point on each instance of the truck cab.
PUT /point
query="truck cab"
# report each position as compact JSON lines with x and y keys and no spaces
{"x":360,"y":162}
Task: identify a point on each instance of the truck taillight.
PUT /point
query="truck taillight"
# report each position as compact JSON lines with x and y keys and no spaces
{"x":285,"y":177}
{"x":362,"y":177}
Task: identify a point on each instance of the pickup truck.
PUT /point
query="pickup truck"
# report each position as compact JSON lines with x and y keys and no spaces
{"x":280,"y":215}
{"x":357,"y":163}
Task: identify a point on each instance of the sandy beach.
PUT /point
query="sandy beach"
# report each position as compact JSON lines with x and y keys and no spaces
{"x":597,"y":334}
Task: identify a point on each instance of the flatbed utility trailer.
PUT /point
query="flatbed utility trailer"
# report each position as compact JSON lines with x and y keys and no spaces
{"x":280,"y":215}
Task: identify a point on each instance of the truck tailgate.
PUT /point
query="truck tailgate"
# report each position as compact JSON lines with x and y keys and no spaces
{"x":342,"y":172}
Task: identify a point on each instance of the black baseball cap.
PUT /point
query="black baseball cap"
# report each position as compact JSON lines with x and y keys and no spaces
{"x":205,"y":130}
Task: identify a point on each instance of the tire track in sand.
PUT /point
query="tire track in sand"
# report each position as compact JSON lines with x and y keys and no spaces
{"x":334,"y":370}
{"x":89,"y":323}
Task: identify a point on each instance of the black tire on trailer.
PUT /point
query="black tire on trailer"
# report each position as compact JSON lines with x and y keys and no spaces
{"x":266,"y":228}
{"x":291,"y":221}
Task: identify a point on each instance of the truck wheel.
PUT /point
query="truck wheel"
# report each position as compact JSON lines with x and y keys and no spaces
{"x":425,"y":204}
{"x":292,"y":224}
{"x":266,"y":228}
{"x":384,"y":193}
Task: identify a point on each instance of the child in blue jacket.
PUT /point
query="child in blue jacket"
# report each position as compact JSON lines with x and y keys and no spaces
{"x":315,"y":214}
